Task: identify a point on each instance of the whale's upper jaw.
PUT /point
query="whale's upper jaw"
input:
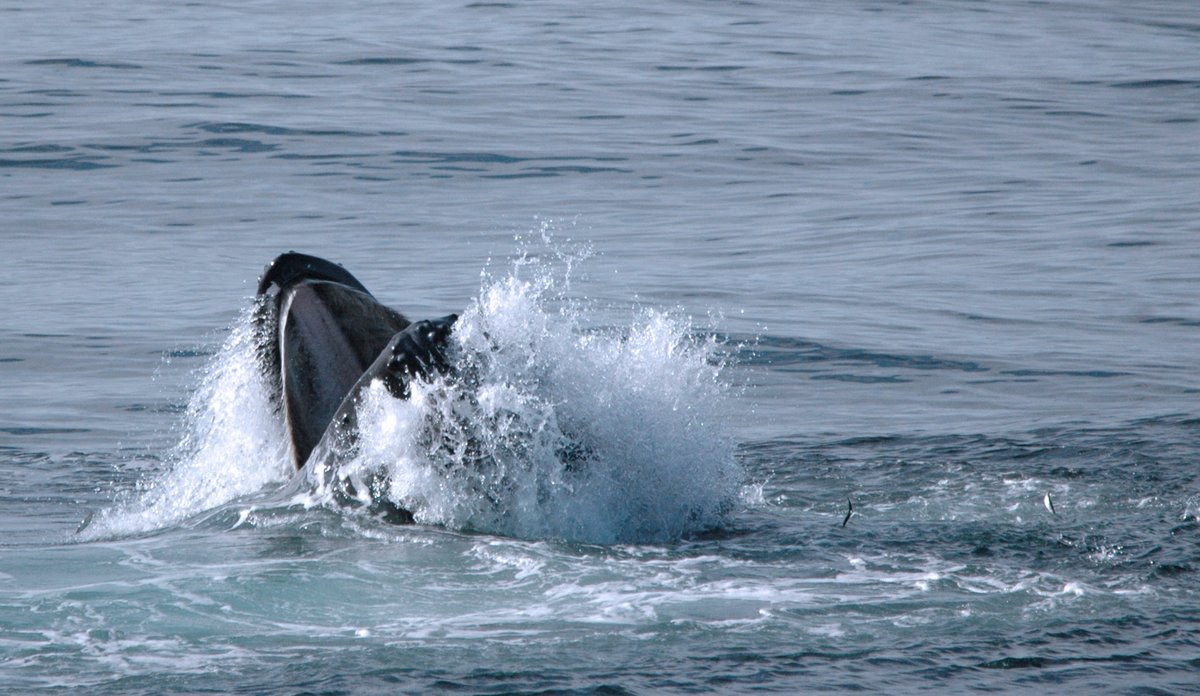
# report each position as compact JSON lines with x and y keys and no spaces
{"x":293,"y":267}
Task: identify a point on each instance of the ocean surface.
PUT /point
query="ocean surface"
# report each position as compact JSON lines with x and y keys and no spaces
{"x":884,"y":317}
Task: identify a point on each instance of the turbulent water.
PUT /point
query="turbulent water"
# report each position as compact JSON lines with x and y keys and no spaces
{"x":804,"y":346}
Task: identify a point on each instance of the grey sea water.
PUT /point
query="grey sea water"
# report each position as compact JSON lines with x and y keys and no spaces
{"x":937,"y":260}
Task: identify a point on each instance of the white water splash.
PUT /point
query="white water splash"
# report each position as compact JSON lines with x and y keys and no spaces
{"x":233,"y":445}
{"x":551,"y":430}
{"x":548,"y":429}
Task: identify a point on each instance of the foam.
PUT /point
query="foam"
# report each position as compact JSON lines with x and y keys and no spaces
{"x":233,"y":445}
{"x":553,"y":429}
{"x":550,"y":428}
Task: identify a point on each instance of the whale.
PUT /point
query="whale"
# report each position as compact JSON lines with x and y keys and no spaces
{"x":322,"y":340}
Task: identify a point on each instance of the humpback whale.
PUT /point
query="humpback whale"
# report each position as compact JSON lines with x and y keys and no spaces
{"x":323,"y":339}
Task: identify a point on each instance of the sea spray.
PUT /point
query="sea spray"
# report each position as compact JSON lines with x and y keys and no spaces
{"x":549,"y":428}
{"x":546,"y":428}
{"x":233,"y":445}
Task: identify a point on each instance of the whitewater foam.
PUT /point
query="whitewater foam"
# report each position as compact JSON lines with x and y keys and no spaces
{"x":547,"y":428}
{"x":552,"y":429}
{"x":233,"y":445}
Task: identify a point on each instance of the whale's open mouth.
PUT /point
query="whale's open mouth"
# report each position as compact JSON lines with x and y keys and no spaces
{"x":323,"y":338}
